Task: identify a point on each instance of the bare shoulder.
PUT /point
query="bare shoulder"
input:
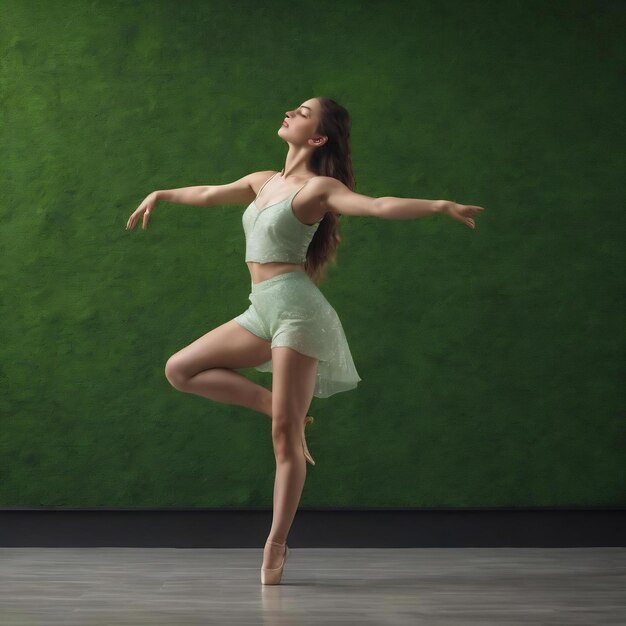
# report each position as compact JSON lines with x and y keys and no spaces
{"x":324,"y":184}
{"x":257,"y":179}
{"x":321,"y":187}
{"x":241,"y":191}
{"x":336,"y":197}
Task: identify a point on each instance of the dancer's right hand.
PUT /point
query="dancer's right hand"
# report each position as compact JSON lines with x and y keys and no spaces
{"x":145,"y":208}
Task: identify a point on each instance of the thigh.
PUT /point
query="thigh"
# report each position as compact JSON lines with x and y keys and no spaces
{"x":293,"y":383}
{"x":229,"y":345}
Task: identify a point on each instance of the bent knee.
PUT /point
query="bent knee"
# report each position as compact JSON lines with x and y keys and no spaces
{"x":175,"y":374}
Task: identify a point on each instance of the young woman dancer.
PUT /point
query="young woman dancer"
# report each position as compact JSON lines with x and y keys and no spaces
{"x":292,"y":232}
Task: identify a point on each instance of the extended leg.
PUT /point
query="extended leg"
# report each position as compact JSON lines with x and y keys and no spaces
{"x":292,"y":390}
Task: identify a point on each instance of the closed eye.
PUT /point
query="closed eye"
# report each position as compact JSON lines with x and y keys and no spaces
{"x":303,"y":115}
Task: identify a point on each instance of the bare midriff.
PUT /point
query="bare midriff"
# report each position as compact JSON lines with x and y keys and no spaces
{"x":262,"y":271}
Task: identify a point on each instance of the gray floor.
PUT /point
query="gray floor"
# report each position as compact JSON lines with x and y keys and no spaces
{"x":435,"y":586}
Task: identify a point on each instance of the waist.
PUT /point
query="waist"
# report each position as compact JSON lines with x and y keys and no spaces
{"x":289,"y":275}
{"x":260,"y":272}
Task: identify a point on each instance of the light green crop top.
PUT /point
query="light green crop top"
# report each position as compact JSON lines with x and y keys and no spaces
{"x":275,"y":234}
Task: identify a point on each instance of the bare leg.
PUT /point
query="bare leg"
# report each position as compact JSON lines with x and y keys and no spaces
{"x":207,"y":367}
{"x":293,"y":384}
{"x":230,"y":387}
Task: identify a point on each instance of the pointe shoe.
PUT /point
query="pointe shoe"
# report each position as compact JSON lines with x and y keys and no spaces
{"x":307,"y":455}
{"x":273,"y":576}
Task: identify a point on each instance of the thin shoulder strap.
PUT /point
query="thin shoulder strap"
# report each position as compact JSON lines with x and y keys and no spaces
{"x":297,"y":190}
{"x":265,"y":183}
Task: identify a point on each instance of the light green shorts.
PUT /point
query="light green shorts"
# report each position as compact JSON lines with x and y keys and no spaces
{"x":290,"y":310}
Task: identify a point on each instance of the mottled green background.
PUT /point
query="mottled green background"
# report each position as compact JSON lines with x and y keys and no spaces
{"x":492,"y":360}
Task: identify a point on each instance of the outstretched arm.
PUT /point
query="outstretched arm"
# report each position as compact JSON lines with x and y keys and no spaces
{"x":339,"y":199}
{"x":238,"y":192}
{"x":409,"y":208}
{"x":392,"y":208}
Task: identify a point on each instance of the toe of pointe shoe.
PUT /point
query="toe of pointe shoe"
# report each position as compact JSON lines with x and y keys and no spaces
{"x":272,"y":576}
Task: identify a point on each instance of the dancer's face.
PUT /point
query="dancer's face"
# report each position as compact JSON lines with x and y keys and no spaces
{"x":302,"y":122}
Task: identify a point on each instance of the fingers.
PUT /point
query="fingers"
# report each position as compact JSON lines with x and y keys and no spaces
{"x":470,"y":211}
{"x":133,"y":219}
{"x":466,"y":213}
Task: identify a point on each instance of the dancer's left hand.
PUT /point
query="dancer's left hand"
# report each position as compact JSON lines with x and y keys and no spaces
{"x":462,"y":212}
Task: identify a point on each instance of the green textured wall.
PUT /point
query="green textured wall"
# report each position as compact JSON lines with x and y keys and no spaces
{"x":492,"y":360}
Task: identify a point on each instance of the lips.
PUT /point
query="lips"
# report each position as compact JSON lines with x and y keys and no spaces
{"x":285,"y":124}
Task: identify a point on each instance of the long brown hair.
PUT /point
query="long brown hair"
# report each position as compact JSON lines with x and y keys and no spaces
{"x":334,"y":158}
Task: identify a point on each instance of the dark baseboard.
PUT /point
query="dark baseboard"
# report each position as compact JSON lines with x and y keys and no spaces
{"x":314,"y":528}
